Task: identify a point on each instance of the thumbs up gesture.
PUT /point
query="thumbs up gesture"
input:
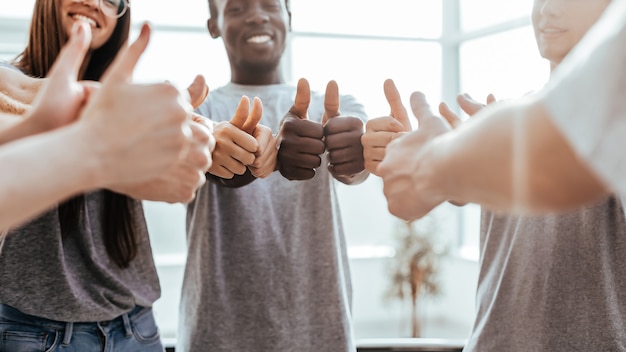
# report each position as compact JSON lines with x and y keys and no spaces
{"x":235,"y":148}
{"x":265,"y":155}
{"x":342,"y":138}
{"x":382,"y":130}
{"x":408,"y":181}
{"x":468,"y":104}
{"x":198,"y":91}
{"x":60,"y":97}
{"x":300,"y":141}
{"x":141,"y":131}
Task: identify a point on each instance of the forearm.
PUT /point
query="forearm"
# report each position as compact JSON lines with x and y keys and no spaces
{"x":512,"y":158}
{"x":41,"y":171}
{"x":13,"y":128}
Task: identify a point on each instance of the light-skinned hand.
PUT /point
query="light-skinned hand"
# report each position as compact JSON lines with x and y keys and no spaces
{"x":235,"y":148}
{"x":380,"y":131}
{"x":405,"y":171}
{"x":265,"y":156}
{"x":198,"y":91}
{"x":139,"y":132}
{"x":47,"y":113}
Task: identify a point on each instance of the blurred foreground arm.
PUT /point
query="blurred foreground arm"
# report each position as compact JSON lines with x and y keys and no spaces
{"x":117,"y":137}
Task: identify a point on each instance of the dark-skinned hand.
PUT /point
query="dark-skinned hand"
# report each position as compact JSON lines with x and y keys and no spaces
{"x":342,"y":137}
{"x":300,"y":141}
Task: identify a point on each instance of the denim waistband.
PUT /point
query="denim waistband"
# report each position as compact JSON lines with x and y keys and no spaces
{"x":120,"y":322}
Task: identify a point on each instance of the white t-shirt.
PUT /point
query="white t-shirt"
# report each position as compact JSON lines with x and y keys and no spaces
{"x":586,"y":97}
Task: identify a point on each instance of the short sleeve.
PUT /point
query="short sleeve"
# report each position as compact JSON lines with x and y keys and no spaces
{"x":350,"y":106}
{"x":586,"y":97}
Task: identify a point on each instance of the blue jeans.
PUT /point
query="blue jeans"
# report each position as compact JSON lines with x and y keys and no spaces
{"x":134,"y":332}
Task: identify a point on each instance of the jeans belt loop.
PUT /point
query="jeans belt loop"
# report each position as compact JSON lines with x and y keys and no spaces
{"x":67,"y":335}
{"x":127,"y":328}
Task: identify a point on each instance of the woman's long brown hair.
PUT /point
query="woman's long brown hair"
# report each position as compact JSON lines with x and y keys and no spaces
{"x":46,"y":38}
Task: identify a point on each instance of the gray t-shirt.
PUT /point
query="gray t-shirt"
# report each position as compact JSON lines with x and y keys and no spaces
{"x":552,"y":283}
{"x":69,"y":276}
{"x":267,"y":267}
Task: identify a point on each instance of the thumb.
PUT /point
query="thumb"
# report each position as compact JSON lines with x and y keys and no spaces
{"x":254,"y":117}
{"x":398,"y":111}
{"x":198,"y":91}
{"x":124,"y":64}
{"x":331,"y":102}
{"x":72,"y":55}
{"x":420,"y":106}
{"x":453,"y":119}
{"x":241,"y":113}
{"x":491,"y":99}
{"x":303,"y":98}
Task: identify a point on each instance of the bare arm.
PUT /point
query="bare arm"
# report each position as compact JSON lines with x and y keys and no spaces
{"x":509,"y":157}
{"x":526,"y":164}
{"x":13,"y":127}
{"x":111,"y":143}
{"x":28,"y":187}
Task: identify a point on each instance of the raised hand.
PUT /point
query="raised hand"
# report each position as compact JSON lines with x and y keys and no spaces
{"x":198,"y":91}
{"x":468,"y":104}
{"x":342,"y":137}
{"x":471,"y":107}
{"x":17,"y":90}
{"x":179,"y":183}
{"x":235,"y":148}
{"x":139,"y":131}
{"x":382,"y":130}
{"x":265,"y":156}
{"x":60,"y":96}
{"x":404,"y":171}
{"x":300,"y":141}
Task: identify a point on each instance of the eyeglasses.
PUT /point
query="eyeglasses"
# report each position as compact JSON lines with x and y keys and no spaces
{"x":114,"y":8}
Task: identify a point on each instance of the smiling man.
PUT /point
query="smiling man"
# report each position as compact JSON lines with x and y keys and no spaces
{"x":267,"y":267}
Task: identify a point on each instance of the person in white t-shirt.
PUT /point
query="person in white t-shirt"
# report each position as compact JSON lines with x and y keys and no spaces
{"x":553,"y":150}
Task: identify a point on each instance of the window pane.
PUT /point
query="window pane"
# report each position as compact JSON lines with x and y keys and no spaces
{"x":21,"y":8}
{"x":476,"y":14}
{"x":195,"y":53}
{"x":180,"y":12}
{"x":402,"y":18}
{"x":506,"y":64}
{"x":13,"y":37}
{"x":361,"y":66}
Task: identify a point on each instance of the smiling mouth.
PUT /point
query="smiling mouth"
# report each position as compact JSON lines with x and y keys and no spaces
{"x":552,"y":31}
{"x":259,"y":39}
{"x":85,"y":19}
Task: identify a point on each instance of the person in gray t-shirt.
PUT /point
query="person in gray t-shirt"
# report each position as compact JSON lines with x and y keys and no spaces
{"x":267,"y":267}
{"x":81,"y":276}
{"x":553,"y":282}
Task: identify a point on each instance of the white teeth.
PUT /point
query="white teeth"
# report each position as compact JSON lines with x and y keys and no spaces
{"x":551,"y":30}
{"x":86,"y":19}
{"x":259,"y":39}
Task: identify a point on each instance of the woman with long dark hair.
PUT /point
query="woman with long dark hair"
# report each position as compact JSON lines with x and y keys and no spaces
{"x":80,"y":277}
